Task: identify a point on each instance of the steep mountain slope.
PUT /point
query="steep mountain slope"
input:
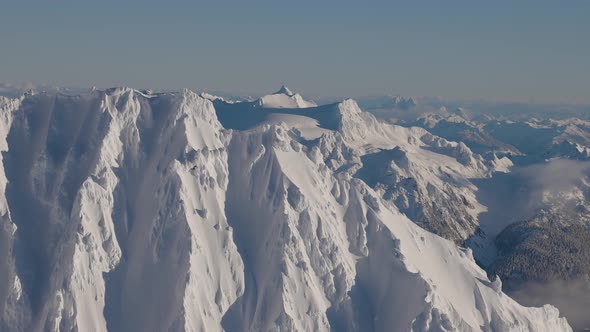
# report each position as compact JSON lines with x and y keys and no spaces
{"x":126,"y":211}
{"x":334,"y":237}
{"x":535,"y":223}
{"x":426,"y":177}
{"x":117,"y":199}
{"x":534,"y":235}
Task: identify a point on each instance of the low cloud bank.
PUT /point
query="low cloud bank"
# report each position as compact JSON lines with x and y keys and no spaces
{"x":571,"y":297}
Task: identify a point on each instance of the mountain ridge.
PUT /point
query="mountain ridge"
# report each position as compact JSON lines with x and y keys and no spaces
{"x":150,"y":191}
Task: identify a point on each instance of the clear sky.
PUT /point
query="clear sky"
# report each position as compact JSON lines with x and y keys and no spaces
{"x":510,"y":50}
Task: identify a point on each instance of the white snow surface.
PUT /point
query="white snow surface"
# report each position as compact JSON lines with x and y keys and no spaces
{"x":284,"y":98}
{"x":122,"y":211}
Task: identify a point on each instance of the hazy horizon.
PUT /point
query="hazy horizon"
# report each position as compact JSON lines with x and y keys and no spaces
{"x":526,"y":51}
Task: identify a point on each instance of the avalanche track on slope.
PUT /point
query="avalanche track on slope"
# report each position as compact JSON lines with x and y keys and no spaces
{"x":125,"y":211}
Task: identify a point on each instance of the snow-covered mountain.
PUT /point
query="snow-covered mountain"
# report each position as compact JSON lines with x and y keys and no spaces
{"x":425,"y":176}
{"x":388,"y":102}
{"x":130,"y":211}
{"x":533,"y":238}
{"x":284,"y":98}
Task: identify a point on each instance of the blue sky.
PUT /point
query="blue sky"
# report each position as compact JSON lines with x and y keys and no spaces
{"x":506,"y":50}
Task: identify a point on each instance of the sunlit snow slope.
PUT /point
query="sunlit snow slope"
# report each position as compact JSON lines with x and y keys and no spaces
{"x":123,"y":211}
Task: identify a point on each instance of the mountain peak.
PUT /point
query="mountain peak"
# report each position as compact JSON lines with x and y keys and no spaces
{"x":285,"y":91}
{"x":284,"y":98}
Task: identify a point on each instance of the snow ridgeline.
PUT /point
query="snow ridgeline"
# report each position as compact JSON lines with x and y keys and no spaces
{"x":130,"y":212}
{"x":284,"y":98}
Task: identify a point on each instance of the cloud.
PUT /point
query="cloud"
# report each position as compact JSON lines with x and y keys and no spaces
{"x":555,"y":175}
{"x":572,"y":298}
{"x":557,"y":179}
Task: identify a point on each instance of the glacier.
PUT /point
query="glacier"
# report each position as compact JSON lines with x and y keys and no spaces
{"x":124,"y":210}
